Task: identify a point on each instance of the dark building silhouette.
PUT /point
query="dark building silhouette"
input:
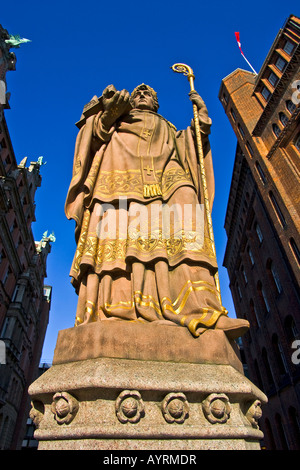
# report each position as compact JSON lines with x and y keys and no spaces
{"x":262,"y":225}
{"x":24,"y":299}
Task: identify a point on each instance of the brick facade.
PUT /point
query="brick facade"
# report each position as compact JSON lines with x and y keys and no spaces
{"x":24,"y":299}
{"x":262,"y":225}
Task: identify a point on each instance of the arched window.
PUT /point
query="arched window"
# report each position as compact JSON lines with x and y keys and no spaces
{"x":241,"y":130}
{"x":291,"y":330}
{"x":295,"y":425}
{"x":253,"y":313}
{"x":261,"y":172}
{"x":277,"y":208}
{"x":251,"y":257}
{"x":276,"y":130}
{"x":290,"y":106}
{"x":281,"y":432}
{"x":283,"y":119}
{"x":297,"y":142}
{"x":258,"y":375}
{"x":258,"y":232}
{"x":263,"y":298}
{"x":268,"y":375}
{"x":269,"y":436}
{"x":295,"y":250}
{"x":273,"y":276}
{"x":279,"y":355}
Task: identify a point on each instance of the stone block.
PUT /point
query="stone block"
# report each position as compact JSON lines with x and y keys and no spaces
{"x":163,"y":394}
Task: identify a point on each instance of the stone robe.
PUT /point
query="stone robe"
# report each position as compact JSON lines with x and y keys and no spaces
{"x":132,"y":188}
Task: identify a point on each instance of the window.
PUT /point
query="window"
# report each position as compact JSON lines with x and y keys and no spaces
{"x":280,"y":63}
{"x":259,"y":232}
{"x":265,"y":300}
{"x":5,"y":326}
{"x":251,"y":256}
{"x":244,"y":274}
{"x":239,"y":291}
{"x":261,"y":173}
{"x":290,"y":106}
{"x":5,"y":278}
{"x":266,"y":363}
{"x":273,"y":79}
{"x":254,"y":316}
{"x":2,"y":145}
{"x":13,"y":226}
{"x":15,"y":294}
{"x":276,"y":279}
{"x":233,"y":114}
{"x":283,"y":119}
{"x":297,"y":142}
{"x":295,"y":422}
{"x":295,"y":250}
{"x":288,"y":47}
{"x":279,"y":355}
{"x":273,"y":275}
{"x":277,"y":209}
{"x":265,"y":93}
{"x":291,"y":329}
{"x":276,"y":130}
{"x":241,"y":130}
{"x":249,"y":148}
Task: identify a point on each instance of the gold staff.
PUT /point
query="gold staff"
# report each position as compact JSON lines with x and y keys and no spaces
{"x":187,"y":71}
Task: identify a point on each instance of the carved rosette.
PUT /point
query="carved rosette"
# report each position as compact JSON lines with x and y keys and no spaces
{"x":129,"y":406}
{"x":64,"y":407}
{"x":216,"y":408}
{"x":175,"y":408}
{"x":254,"y":413}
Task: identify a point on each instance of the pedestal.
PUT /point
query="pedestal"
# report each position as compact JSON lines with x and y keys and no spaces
{"x":133,"y":386}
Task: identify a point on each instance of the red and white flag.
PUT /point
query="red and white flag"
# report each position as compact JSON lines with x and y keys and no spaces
{"x":237,"y":35}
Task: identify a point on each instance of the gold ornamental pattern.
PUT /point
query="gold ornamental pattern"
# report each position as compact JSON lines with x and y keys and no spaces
{"x":112,"y":184}
{"x":98,"y":251}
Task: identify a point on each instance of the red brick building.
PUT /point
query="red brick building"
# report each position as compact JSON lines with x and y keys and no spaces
{"x":24,"y":299}
{"x":262,"y":225}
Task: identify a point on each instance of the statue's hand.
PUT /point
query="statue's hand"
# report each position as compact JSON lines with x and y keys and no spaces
{"x":115,"y":104}
{"x":198,"y":101}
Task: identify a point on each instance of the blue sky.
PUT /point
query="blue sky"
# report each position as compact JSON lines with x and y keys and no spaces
{"x":77,"y":49}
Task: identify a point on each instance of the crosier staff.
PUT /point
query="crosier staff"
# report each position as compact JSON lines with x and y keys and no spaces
{"x":187,"y":71}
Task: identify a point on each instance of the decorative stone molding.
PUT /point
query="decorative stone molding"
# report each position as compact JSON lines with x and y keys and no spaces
{"x":64,"y":407}
{"x":175,"y":408}
{"x":37,"y":412}
{"x":216,"y":408}
{"x":129,"y":406}
{"x":254,"y":413}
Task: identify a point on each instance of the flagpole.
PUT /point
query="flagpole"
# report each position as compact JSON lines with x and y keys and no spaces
{"x":249,"y":64}
{"x":186,"y":70}
{"x":237,"y":36}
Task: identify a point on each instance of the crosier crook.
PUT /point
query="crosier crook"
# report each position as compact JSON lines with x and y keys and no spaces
{"x":187,"y":71}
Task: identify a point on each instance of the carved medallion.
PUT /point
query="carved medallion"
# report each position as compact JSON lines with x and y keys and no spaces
{"x":175,"y":408}
{"x":64,"y":407}
{"x":129,"y":406}
{"x":216,"y":408}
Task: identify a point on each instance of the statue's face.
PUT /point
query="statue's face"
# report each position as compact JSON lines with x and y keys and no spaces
{"x":143,"y":100}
